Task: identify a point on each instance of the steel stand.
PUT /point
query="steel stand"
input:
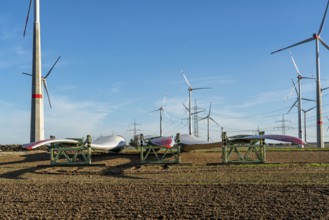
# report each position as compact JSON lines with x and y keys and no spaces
{"x":66,"y":154}
{"x":254,"y":153}
{"x":150,"y":154}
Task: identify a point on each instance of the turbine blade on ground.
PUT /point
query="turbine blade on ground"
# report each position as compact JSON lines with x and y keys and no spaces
{"x":302,"y":42}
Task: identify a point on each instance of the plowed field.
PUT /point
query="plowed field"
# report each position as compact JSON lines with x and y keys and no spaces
{"x":291,"y":185}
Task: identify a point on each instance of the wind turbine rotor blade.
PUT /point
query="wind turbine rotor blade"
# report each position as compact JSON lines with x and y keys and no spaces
{"x":302,"y":42}
{"x":324,"y":44}
{"x":293,"y":60}
{"x":295,"y":87}
{"x":214,"y":121}
{"x":189,"y":85}
{"x":185,"y":107}
{"x":197,"y":112}
{"x":155,"y":110}
{"x":51,"y":69}
{"x":27,"y":18}
{"x":164,"y":100}
{"x":46,"y":88}
{"x":29,"y":74}
{"x":323,"y":19}
{"x":308,"y":99}
{"x":308,"y":77}
{"x":203,"y":118}
{"x":209,"y":109}
{"x":201,"y":88}
{"x":292,"y":106}
{"x":167,"y":115}
{"x":311,"y":109}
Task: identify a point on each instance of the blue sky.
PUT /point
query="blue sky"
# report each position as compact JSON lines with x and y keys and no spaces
{"x":120,"y":58}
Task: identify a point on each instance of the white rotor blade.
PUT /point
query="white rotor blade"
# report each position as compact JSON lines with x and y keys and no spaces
{"x":302,"y":42}
{"x":164,"y":100}
{"x":27,"y":18}
{"x":323,"y":19}
{"x":189,"y":85}
{"x":201,"y":88}
{"x":167,"y":115}
{"x":46,"y":88}
{"x":51,"y":69}
{"x":293,"y":60}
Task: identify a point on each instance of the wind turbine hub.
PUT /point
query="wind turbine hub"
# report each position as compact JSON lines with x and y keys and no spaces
{"x":316,"y":36}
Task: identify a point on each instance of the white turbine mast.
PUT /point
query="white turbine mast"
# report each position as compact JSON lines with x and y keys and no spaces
{"x":190,"y":89}
{"x":299,"y":97}
{"x":208,"y":117}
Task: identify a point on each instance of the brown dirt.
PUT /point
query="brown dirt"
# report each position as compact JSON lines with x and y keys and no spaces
{"x":291,"y":185}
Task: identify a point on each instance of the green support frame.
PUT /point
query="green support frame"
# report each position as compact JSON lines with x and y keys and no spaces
{"x":246,"y":153}
{"x":63,"y":154}
{"x":159,"y":155}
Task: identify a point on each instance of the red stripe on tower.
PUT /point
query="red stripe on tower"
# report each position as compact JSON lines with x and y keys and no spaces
{"x":37,"y":96}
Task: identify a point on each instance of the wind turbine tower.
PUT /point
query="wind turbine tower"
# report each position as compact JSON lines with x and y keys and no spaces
{"x":316,"y":37}
{"x":37,"y":111}
{"x":208,"y":117}
{"x":299,"y":98}
{"x":190,"y":89}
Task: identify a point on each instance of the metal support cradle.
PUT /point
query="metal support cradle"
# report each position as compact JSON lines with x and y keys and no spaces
{"x":242,"y":153}
{"x":151,"y":154}
{"x":68,"y":154}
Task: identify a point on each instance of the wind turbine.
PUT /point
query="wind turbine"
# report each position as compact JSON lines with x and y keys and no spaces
{"x":161,"y":110}
{"x":208,"y":117}
{"x":190,"y":89}
{"x":316,"y":37}
{"x":44,"y":79}
{"x":299,"y":98}
{"x":37,"y":113}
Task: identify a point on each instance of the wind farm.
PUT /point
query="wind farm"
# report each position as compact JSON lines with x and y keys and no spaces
{"x":207,"y":86}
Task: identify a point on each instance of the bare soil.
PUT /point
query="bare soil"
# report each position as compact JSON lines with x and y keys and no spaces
{"x":291,"y":185}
